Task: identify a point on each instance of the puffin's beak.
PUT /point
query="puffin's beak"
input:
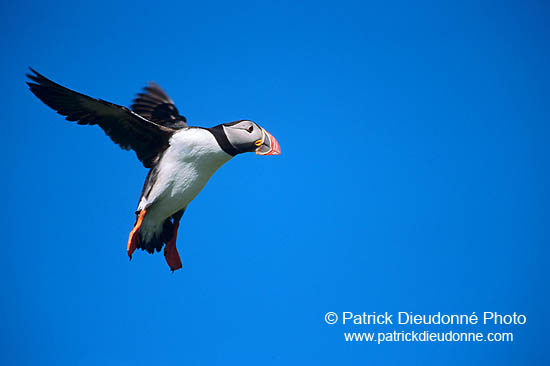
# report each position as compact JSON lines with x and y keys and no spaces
{"x":267,"y":145}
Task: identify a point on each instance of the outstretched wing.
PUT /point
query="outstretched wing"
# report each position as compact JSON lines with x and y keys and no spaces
{"x":126,"y":128}
{"x":155,"y":105}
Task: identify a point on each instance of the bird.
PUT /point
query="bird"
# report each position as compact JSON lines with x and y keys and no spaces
{"x":180,"y":158}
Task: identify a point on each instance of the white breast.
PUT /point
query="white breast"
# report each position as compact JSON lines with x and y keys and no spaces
{"x":184,"y":169}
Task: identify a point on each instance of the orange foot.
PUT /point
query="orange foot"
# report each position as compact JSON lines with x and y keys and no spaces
{"x":171,"y":252}
{"x":133,"y":240}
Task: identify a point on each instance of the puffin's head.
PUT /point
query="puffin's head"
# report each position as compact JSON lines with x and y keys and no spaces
{"x":247,"y":136}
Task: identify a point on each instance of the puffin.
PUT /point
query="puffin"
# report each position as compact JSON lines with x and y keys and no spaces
{"x":180,"y":158}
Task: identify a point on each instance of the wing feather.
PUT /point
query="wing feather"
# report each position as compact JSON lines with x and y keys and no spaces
{"x":155,"y":105}
{"x":126,"y":128}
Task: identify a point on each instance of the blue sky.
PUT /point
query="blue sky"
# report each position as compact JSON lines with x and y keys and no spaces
{"x":414,"y":177}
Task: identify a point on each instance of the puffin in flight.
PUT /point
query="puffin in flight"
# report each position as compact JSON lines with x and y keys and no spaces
{"x":181,"y":158}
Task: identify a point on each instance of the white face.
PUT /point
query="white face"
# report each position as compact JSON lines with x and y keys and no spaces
{"x":245,"y":136}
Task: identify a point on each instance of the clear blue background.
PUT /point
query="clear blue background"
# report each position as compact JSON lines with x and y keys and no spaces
{"x":414,"y":177}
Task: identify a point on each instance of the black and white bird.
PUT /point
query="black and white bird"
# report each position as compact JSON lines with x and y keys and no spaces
{"x":181,"y":158}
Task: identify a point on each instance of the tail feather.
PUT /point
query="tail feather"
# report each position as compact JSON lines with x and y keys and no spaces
{"x":155,"y":242}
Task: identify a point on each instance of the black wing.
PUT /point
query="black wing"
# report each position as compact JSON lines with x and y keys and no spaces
{"x":126,"y":128}
{"x":155,"y":105}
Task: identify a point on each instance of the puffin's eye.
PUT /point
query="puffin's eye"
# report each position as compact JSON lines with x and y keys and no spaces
{"x":250,"y":129}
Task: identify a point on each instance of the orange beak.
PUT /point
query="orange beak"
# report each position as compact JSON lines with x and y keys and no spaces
{"x":268,"y":145}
